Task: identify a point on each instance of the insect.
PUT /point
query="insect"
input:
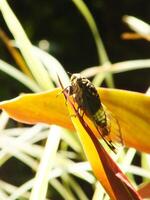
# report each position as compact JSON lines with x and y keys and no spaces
{"x":88,"y":101}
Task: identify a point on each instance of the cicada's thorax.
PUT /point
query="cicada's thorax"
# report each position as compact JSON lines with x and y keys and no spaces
{"x":87,"y":98}
{"x":77,"y":94}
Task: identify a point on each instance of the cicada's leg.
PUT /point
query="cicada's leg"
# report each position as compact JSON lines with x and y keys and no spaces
{"x":82,"y":113}
{"x":107,"y":139}
{"x":105,"y":131}
{"x":68,"y":91}
{"x":64,"y":90}
{"x":112,"y":147}
{"x":78,"y":110}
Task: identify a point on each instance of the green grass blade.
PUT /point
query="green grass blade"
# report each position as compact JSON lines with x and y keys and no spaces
{"x":18,"y":75}
{"x":145,"y":163}
{"x":36,"y":67}
{"x":71,"y":140}
{"x":118,"y":67}
{"x":77,"y":188}
{"x":41,"y":180}
{"x":52,"y":65}
{"x":103,"y":58}
{"x":102,"y":54}
{"x":62,"y":190}
{"x":139,"y":171}
{"x":3,"y":120}
{"x":137,"y":25}
{"x":21,"y":191}
{"x":3,"y":195}
{"x":99,"y":192}
{"x":13,"y":190}
{"x":8,"y":145}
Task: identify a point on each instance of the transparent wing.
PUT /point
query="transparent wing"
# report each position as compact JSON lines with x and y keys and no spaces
{"x":115,"y":134}
{"x":111,"y":134}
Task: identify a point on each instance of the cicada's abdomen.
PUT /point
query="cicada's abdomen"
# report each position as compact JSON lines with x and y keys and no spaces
{"x":100,"y":120}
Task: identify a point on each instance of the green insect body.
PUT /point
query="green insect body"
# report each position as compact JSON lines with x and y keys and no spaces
{"x":87,"y":98}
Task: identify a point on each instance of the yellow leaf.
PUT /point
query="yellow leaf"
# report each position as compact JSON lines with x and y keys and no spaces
{"x":105,"y":169}
{"x":45,"y":107}
{"x":92,"y":156}
{"x":131,"y":109}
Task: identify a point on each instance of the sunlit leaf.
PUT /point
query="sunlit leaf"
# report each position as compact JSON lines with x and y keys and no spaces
{"x":131,"y":109}
{"x":46,"y":107}
{"x":144,"y":190}
{"x":117,"y":67}
{"x":104,"y":168}
{"x":137,"y":25}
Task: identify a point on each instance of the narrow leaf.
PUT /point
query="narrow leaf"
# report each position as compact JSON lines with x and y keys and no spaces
{"x":35,"y":66}
{"x":105,"y":169}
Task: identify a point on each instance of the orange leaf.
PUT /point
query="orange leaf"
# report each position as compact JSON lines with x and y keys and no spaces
{"x":45,"y":107}
{"x":104,"y":168}
{"x":144,"y":190}
{"x":131,"y":109}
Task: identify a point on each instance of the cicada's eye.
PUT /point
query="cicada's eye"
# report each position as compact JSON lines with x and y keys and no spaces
{"x":75,"y":77}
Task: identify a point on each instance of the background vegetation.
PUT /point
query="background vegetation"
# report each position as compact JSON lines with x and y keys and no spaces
{"x":71,"y":42}
{"x":69,"y":39}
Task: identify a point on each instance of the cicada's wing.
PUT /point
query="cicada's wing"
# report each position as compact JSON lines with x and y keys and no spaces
{"x":115,"y":134}
{"x":111,"y":134}
{"x":107,"y":139}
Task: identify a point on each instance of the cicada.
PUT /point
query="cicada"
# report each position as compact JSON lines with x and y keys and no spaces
{"x":88,"y":102}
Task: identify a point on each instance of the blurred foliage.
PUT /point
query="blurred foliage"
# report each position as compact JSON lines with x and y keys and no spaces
{"x":71,"y":43}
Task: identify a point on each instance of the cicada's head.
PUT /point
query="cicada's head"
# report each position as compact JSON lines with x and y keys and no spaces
{"x":76,"y":83}
{"x":76,"y":79}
